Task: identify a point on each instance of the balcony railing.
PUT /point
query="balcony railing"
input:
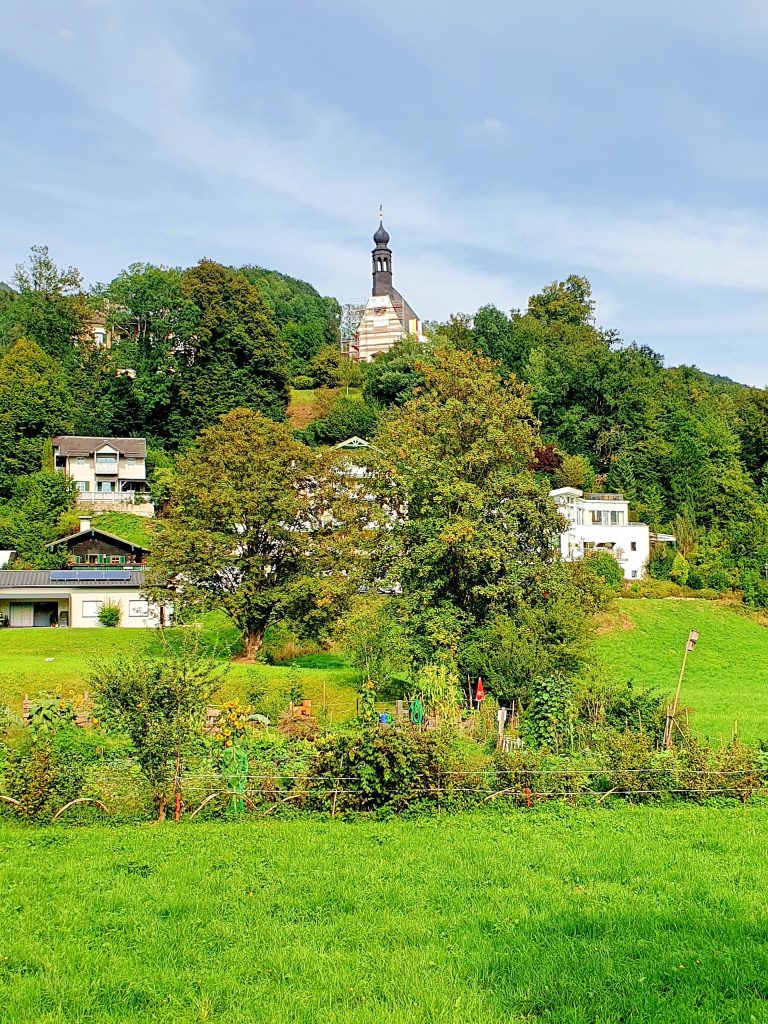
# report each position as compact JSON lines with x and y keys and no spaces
{"x":112,"y":497}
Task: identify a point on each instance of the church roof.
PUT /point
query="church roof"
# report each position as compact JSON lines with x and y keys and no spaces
{"x":382,"y":235}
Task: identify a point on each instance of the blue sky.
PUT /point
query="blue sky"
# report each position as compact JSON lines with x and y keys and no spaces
{"x":510,"y":142}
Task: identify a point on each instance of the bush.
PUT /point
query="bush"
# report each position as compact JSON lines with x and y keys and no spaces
{"x":600,"y":707}
{"x":718,"y":578}
{"x":679,"y":571}
{"x":110,"y":614}
{"x":695,"y":579}
{"x":303,"y":383}
{"x":606,"y":568}
{"x":391,"y":766}
{"x":660,"y":562}
{"x":42,"y":779}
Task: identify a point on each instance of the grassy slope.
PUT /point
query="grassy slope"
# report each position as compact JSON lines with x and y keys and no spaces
{"x":135,"y":529}
{"x":726,"y":677}
{"x":555,"y":916}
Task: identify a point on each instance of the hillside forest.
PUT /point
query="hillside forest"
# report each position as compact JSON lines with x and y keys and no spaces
{"x":568,"y":402}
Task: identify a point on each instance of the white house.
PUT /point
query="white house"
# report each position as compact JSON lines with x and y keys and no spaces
{"x":74,"y":597}
{"x":600,"y":522}
{"x":109,"y":472}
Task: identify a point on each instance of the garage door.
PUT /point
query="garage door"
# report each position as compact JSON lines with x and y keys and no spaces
{"x":22,"y":614}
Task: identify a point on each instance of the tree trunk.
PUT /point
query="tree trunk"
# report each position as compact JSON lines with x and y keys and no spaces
{"x":160,"y":807}
{"x":252,"y":645}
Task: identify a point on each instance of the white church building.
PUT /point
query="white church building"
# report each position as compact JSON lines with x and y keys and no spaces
{"x":600,"y":522}
{"x":386,"y":317}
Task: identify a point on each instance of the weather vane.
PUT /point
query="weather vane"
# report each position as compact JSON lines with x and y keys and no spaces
{"x":381,"y":211}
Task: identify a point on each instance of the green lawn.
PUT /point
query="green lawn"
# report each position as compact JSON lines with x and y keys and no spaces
{"x":726,"y":678}
{"x":558,"y":916}
{"x":60,"y":659}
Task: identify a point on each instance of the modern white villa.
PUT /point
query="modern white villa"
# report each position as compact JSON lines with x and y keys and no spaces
{"x":109,"y":472}
{"x":600,"y":522}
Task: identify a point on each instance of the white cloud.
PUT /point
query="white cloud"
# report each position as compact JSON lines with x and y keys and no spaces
{"x":316,"y":160}
{"x":491,"y":126}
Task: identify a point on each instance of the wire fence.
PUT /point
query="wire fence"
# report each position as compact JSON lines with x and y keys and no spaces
{"x":202,"y":793}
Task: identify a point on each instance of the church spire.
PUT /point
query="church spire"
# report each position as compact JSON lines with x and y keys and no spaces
{"x":382,"y":260}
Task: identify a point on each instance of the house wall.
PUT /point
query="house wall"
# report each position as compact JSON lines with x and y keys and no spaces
{"x":618,"y":540}
{"x":83,"y":605}
{"x":136,"y":612}
{"x":84,"y":469}
{"x":105,"y":553}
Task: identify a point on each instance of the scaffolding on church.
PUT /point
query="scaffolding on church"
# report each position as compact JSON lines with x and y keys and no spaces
{"x":351,"y":315}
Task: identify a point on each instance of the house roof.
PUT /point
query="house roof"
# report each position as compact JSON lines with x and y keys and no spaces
{"x":27,"y":579}
{"x":93,"y":531}
{"x":134,"y":447}
{"x":353,"y":442}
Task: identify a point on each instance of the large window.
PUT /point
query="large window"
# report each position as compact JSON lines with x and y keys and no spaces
{"x":106,"y":460}
{"x":91,"y":609}
{"x":138,"y":609}
{"x":606,"y":517}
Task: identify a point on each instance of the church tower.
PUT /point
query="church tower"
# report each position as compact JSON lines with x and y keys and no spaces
{"x":387,"y":316}
{"x":382,"y":262}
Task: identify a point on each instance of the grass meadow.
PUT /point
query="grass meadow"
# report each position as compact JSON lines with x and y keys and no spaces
{"x":59,"y":660}
{"x":641,"y":640}
{"x":558,"y":916}
{"x":726,"y":677}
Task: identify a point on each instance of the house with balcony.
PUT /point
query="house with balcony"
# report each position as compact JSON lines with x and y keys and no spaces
{"x":601,"y":522}
{"x":108,"y":472}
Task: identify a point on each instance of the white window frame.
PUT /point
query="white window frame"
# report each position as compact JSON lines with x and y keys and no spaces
{"x":143,"y":613}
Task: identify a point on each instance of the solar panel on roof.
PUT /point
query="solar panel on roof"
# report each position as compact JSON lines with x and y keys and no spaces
{"x":90,"y":575}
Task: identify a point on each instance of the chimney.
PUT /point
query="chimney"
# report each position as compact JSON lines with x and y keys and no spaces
{"x":85,"y":523}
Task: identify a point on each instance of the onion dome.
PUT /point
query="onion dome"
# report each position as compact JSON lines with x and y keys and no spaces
{"x":381,"y":237}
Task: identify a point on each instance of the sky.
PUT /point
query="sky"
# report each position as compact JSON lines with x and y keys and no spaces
{"x":511,"y":144}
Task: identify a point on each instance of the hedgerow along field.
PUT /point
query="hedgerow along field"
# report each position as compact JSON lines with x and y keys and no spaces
{"x":726,"y":676}
{"x":559,"y":916}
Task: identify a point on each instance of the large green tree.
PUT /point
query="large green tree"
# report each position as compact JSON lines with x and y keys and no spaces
{"x":251,"y":528}
{"x":233,"y":358}
{"x":49,"y":307}
{"x":35,"y":405}
{"x":306,"y":321}
{"x":468,"y":545}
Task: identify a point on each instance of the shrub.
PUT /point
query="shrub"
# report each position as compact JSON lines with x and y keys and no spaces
{"x":695,"y":579}
{"x":41,"y":778}
{"x":303,"y":382}
{"x":660,"y":562}
{"x":679,"y":571}
{"x":110,"y":613}
{"x":606,"y":568}
{"x":547,"y":718}
{"x":160,"y":703}
{"x":391,"y":766}
{"x":718,"y":578}
{"x":601,"y":706}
